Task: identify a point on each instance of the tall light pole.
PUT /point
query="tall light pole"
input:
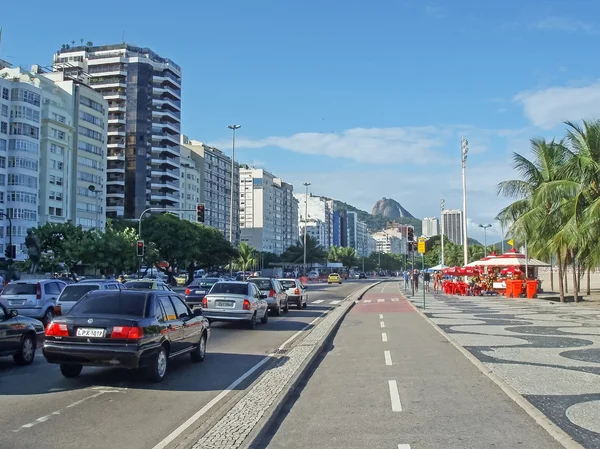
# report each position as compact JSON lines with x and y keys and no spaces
{"x":232,"y":128}
{"x":442,"y":205}
{"x":306,"y":184}
{"x":464,"y":151}
{"x":485,"y":228}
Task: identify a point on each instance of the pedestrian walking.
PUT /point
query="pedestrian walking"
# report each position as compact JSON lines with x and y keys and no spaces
{"x":426,"y":280}
{"x":406,"y":279}
{"x":415,"y":277}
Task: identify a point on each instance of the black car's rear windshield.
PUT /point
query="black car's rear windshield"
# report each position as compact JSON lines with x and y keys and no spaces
{"x":20,"y":289}
{"x":76,"y":292}
{"x":112,"y":304}
{"x":207,"y":282}
{"x":140,"y":285}
{"x":262,"y":284}
{"x":229,"y":288}
{"x":288,"y":284}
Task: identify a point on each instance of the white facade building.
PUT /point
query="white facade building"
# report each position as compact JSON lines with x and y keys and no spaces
{"x":143,"y":91}
{"x":192,"y":181}
{"x":215,"y":186}
{"x":268,"y":211}
{"x":315,"y":229}
{"x":318,"y":209}
{"x":387,"y":243}
{"x":453,"y":225}
{"x":430,"y":226}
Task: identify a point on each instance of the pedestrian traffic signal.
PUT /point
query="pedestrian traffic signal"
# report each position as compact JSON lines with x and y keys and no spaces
{"x":200,"y":213}
{"x":411,"y":235}
{"x":10,"y":252}
{"x":140,"y":248}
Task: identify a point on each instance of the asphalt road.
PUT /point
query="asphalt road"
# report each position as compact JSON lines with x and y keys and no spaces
{"x":115,"y":408}
{"x":390,"y":380}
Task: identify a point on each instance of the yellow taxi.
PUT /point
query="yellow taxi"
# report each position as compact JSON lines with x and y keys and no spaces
{"x":334,"y":278}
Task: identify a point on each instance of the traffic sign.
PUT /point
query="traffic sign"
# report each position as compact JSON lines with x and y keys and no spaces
{"x":421,"y":246}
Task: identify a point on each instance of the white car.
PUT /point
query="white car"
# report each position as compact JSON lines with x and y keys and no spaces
{"x":235,"y":301}
{"x":296,"y":292}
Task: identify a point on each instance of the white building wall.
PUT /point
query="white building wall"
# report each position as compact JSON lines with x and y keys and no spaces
{"x":430,"y":227}
{"x":318,"y":209}
{"x":387,"y":243}
{"x":190,"y":185}
{"x":453,"y":227}
{"x":314,"y":228}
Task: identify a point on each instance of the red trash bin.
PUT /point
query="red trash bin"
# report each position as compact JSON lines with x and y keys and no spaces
{"x":531,"y":287}
{"x":508,"y":292}
{"x":517,"y":288}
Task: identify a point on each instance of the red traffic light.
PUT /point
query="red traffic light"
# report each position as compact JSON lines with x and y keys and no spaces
{"x":140,"y":244}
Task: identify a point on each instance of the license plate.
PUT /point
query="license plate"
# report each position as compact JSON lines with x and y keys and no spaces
{"x":17,"y":302}
{"x":86,"y":332}
{"x":200,"y":292}
{"x":224,"y":304}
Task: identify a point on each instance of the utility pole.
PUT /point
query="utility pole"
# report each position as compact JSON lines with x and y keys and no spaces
{"x":306,"y":184}
{"x":464,"y":151}
{"x":485,"y":228}
{"x":232,"y":128}
{"x":442,"y":206}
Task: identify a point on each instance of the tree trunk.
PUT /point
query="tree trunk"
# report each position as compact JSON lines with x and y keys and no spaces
{"x":579,"y":269}
{"x":561,"y":278}
{"x":588,"y":290}
{"x":551,"y":274}
{"x":565,"y":274}
{"x":575,"y":289}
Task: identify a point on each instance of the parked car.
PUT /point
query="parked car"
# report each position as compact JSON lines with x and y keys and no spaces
{"x":236,"y":301}
{"x":296,"y":292}
{"x":362,"y":276}
{"x":277,"y":298}
{"x":19,"y":336}
{"x":33,"y":298}
{"x":74,"y":292}
{"x":197,"y":290}
{"x":147,"y":284}
{"x":127,"y":329}
{"x":334,"y":278}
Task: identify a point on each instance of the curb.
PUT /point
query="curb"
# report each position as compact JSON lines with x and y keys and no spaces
{"x":546,"y":423}
{"x":264,"y":426}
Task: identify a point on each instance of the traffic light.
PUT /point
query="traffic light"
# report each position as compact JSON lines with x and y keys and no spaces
{"x":10,"y":252}
{"x":411,"y":235}
{"x":200,"y":213}
{"x":140,"y":248}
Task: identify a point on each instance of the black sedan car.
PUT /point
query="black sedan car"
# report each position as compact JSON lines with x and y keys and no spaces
{"x":198,"y":289}
{"x":19,"y":336}
{"x":126,"y":329}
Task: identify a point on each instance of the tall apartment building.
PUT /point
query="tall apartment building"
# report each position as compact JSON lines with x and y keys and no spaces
{"x":453,"y":225}
{"x":215,"y":186}
{"x":319,"y":209}
{"x":314,"y":228}
{"x":143,"y":91}
{"x":362,"y":240}
{"x":268,"y":211}
{"x":430,"y":226}
{"x":386,"y":243}
{"x":192,"y":181}
{"x":352,"y":220}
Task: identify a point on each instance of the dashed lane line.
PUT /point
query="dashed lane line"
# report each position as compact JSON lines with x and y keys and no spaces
{"x":383,"y":337}
{"x":388,"y":358}
{"x":381,"y":300}
{"x":394,"y":396}
{"x":382,"y":324}
{"x":318,"y":301}
{"x":335,"y":302}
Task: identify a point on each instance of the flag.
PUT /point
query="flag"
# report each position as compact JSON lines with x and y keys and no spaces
{"x":511,"y":242}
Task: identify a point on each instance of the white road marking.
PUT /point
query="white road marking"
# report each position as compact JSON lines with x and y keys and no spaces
{"x":367,"y":300}
{"x":382,"y":324}
{"x":383,"y":288}
{"x":395,"y":299}
{"x":318,"y":301}
{"x":383,"y":336}
{"x":395,"y":396}
{"x":404,"y":446}
{"x":55,"y":390}
{"x":335,"y":302}
{"x":380,"y":300}
{"x":380,"y":316}
{"x":388,"y":358}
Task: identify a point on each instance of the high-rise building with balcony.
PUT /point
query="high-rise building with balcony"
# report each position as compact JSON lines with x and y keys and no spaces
{"x":453,"y":225}
{"x":430,"y":226}
{"x":143,"y":91}
{"x":319,"y":209}
{"x":192,"y":182}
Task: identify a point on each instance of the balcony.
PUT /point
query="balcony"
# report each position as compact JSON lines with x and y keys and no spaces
{"x":167,"y":77}
{"x":118,"y":94}
{"x":116,"y":107}
{"x":116,"y":119}
{"x":173,"y":127}
{"x":165,"y":91}
{"x":164,"y":173}
{"x":159,"y":136}
{"x":164,"y":151}
{"x":116,"y":133}
{"x":167,"y":103}
{"x":115,"y":182}
{"x":115,"y":194}
{"x":164,"y":196}
{"x":165,"y":114}
{"x":164,"y":162}
{"x":165,"y":184}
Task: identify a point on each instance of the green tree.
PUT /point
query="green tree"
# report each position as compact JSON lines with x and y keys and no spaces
{"x":314,"y":252}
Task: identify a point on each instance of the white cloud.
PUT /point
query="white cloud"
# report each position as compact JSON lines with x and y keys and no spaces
{"x":564,"y":24}
{"x":547,"y":108}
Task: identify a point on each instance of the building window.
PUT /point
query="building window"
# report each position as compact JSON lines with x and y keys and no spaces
{"x":58,"y":196}
{"x":84,"y":176}
{"x":59,"y":118}
{"x":86,"y":162}
{"x":23,"y":214}
{"x":91,"y":104}
{"x":55,"y":180}
{"x":91,"y":119}
{"x":83,"y":146}
{"x":57,"y":149}
{"x":21,"y":197}
{"x":19,"y":179}
{"x":23,"y":145}
{"x":3,"y":144}
{"x":57,"y":134}
{"x":25,"y":95}
{"x":4,"y":111}
{"x":4,"y":93}
{"x":4,"y":127}
{"x":91,"y":133}
{"x":24,"y":129}
{"x":22,"y":162}
{"x":25,"y":112}
{"x":56,"y":165}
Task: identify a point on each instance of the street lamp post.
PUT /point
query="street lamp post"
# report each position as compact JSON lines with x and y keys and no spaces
{"x":485,"y":228}
{"x":232,"y":128}
{"x":442,"y":205}
{"x":306,"y":184}
{"x":464,"y":151}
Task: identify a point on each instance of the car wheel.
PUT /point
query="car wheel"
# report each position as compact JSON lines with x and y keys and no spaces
{"x":340,"y":283}
{"x":252,"y":322}
{"x":48,"y":316}
{"x":158,"y":367}
{"x":265,"y":319}
{"x":26,"y":353}
{"x":286,"y":309}
{"x":299,"y":303}
{"x":278,"y":310}
{"x":199,"y":353}
{"x":70,"y":370}
{"x":305,"y":304}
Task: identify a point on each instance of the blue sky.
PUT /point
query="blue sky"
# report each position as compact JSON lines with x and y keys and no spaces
{"x":362,"y":99}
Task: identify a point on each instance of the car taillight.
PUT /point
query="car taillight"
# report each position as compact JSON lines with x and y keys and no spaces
{"x":271,"y":293}
{"x":246,"y":304}
{"x":297,"y":291}
{"x":127,"y":332}
{"x":57,"y":330}
{"x":205,"y":302}
{"x":38,"y":291}
{"x":187,"y":291}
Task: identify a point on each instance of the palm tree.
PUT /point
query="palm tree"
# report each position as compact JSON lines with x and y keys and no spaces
{"x":334,"y":254}
{"x":347,"y":256}
{"x":314,"y":252}
{"x":246,"y":258}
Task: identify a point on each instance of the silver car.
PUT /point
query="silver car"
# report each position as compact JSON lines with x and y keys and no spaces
{"x":33,"y":298}
{"x":235,"y":301}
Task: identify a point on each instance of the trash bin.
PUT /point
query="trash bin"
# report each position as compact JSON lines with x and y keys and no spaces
{"x":517,"y":288}
{"x":508,"y":291}
{"x":532,"y":287}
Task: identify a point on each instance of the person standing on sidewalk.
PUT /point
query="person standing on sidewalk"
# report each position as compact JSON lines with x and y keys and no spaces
{"x":415,"y":278}
{"x":406,"y":279}
{"x":426,"y":280}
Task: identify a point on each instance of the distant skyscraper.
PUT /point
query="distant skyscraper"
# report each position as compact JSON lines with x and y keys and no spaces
{"x":453,"y":225}
{"x":430,"y":227}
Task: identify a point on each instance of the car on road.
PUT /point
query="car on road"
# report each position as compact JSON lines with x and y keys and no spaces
{"x":277,"y":298}
{"x":147,"y":284}
{"x":197,"y":290}
{"x":236,"y":301}
{"x":362,"y":276}
{"x":74,"y":292}
{"x":296,"y":292}
{"x":334,"y":278}
{"x":19,"y":336}
{"x":126,"y":329}
{"x":34,"y":298}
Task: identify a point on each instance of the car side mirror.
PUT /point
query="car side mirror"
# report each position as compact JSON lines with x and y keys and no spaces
{"x":14,"y":313}
{"x":263,"y":296}
{"x":197,"y":311}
